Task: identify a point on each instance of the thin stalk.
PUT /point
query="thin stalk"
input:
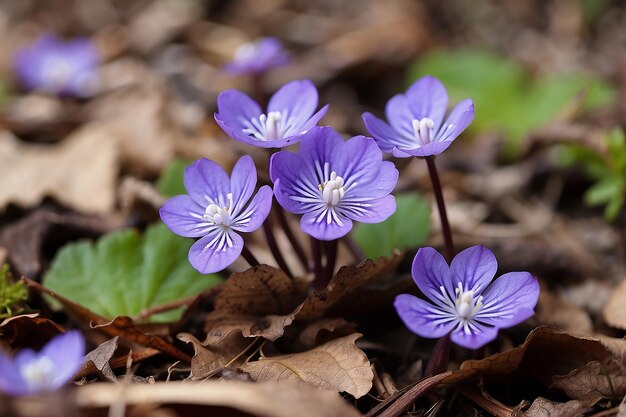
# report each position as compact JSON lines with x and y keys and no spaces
{"x":316,"y":250}
{"x":445,"y":226}
{"x":295,"y":243}
{"x":273,"y":245}
{"x":438,"y":362}
{"x":354,"y":248}
{"x":249,"y":257}
{"x":330,"y":253}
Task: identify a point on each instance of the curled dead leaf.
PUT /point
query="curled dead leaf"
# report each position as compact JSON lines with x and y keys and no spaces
{"x":207,"y":360}
{"x":337,"y":365}
{"x":260,"y":301}
{"x":319,"y":331}
{"x":28,"y":330}
{"x":594,"y":381}
{"x":542,"y":407}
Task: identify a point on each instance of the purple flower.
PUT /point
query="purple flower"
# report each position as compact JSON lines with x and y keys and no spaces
{"x":58,"y":67}
{"x":31,"y":372}
{"x":289,"y":115}
{"x":463,"y":300}
{"x":416,"y":121}
{"x":215,"y":210}
{"x":333,"y":182}
{"x":258,"y":57}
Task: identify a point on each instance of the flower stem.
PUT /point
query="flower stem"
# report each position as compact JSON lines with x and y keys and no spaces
{"x":438,"y":362}
{"x":445,"y":226}
{"x":316,"y":250}
{"x":249,"y":257}
{"x":271,"y":242}
{"x":295,"y":243}
{"x":330,"y":253}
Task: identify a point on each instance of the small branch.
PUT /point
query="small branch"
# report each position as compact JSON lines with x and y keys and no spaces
{"x":172,"y":305}
{"x":445,"y":226}
{"x":249,"y":257}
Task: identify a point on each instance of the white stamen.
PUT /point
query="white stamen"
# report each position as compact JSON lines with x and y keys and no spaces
{"x":273,"y":126}
{"x":219,"y":216}
{"x":422,"y":130}
{"x":332,"y":190}
{"x":38,"y":373}
{"x":467,"y":305}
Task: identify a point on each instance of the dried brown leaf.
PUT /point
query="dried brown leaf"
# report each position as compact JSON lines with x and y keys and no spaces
{"x":260,"y":301}
{"x":344,"y":288}
{"x":594,"y":382}
{"x":542,"y":407}
{"x":614,"y":312}
{"x":207,"y":360}
{"x":337,"y":365}
{"x":546,"y":352}
{"x":320,"y":331}
{"x":99,"y":359}
{"x":267,"y":399}
{"x":28,"y":330}
{"x":31,"y":172}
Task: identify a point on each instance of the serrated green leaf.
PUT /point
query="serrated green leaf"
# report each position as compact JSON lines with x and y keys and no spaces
{"x":125,"y":273}
{"x":408,"y":227}
{"x":171,"y":182}
{"x":506,"y":98}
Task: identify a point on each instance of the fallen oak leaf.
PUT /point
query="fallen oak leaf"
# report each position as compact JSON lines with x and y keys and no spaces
{"x":260,"y":301}
{"x":207,"y":360}
{"x":337,"y":365}
{"x":314,"y":333}
{"x":542,"y":407}
{"x":120,"y":326}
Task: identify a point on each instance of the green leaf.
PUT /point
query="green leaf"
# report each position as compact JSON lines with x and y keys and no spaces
{"x":506,"y":98}
{"x":408,"y":227}
{"x":171,"y":182}
{"x":12,"y":294}
{"x":124,"y":273}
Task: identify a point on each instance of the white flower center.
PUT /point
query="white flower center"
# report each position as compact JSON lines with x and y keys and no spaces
{"x":38,"y":373}
{"x":246,"y":52}
{"x":56,"y":73}
{"x":268,"y":127}
{"x":332,"y":190}
{"x":467,"y":305}
{"x":219,"y":216}
{"x":423,"y":130}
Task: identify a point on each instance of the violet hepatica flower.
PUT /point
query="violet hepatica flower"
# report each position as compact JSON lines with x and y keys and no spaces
{"x":258,"y":57}
{"x":58,"y":67}
{"x":290,"y":113}
{"x":416,"y":126}
{"x":30,"y":372}
{"x":333,"y":182}
{"x":464,"y":301}
{"x":215,"y":209}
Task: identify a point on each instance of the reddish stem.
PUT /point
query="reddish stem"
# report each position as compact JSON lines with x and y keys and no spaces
{"x":445,"y":226}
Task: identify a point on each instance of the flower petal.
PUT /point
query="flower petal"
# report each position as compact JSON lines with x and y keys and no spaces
{"x":294,"y":186}
{"x":383,"y":182}
{"x":67,"y":353}
{"x":430,"y":149}
{"x":458,"y":120}
{"x":423,"y":318}
{"x":373,"y":211}
{"x":183,"y":216}
{"x":427,"y":97}
{"x":431,"y":272}
{"x":384,"y":135}
{"x":207,"y":183}
{"x":257,"y":211}
{"x":313,"y":121}
{"x":509,"y":300}
{"x":399,"y":115}
{"x":474,"y":267}
{"x":322,"y":225}
{"x":239,"y":135}
{"x":477,"y":336}
{"x":215,"y":251}
{"x":297,"y":102}
{"x":356,"y":160}
{"x":11,"y":381}
{"x":319,"y":145}
{"x":242,"y":182}
{"x":235,"y":108}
